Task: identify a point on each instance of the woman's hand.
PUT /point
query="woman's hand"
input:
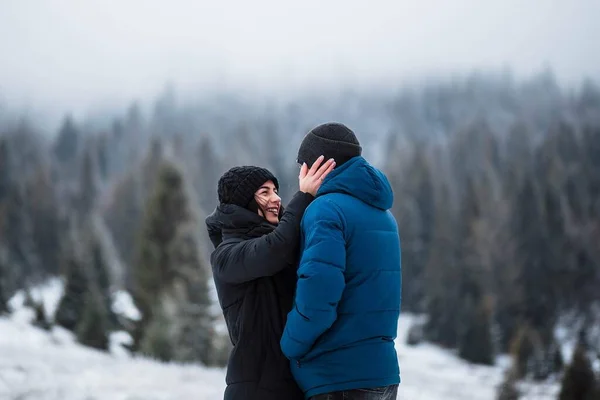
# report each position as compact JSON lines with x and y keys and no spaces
{"x":310,"y":179}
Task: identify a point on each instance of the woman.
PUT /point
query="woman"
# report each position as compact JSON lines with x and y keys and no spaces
{"x":254,"y":267}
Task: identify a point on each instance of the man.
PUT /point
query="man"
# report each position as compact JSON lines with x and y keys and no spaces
{"x":340,"y":333}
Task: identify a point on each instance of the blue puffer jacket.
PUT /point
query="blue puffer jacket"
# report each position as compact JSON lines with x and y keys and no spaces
{"x":340,"y":333}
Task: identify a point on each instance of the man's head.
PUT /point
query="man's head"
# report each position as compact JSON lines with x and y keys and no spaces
{"x":333,"y":140}
{"x":251,"y":187}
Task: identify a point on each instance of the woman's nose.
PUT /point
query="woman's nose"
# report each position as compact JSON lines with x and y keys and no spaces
{"x":275,"y":198}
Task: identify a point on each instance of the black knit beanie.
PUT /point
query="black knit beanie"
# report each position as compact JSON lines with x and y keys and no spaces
{"x":238,"y":185}
{"x":332,"y":140}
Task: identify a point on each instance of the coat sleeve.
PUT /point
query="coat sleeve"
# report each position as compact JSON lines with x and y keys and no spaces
{"x":321,"y":280}
{"x":247,"y":260}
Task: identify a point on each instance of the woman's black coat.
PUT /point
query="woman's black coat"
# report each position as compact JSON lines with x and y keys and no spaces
{"x":254,"y":267}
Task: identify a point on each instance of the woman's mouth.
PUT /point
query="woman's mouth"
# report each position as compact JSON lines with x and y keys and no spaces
{"x":273,"y":210}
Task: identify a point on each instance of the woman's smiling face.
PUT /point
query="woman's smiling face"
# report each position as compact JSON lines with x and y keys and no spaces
{"x":269,"y":202}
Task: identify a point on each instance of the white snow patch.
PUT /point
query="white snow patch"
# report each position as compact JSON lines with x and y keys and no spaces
{"x":117,"y":341}
{"x":52,"y":365}
{"x":36,"y":364}
{"x":49,"y":293}
{"x":431,"y":373}
{"x":123,"y":304}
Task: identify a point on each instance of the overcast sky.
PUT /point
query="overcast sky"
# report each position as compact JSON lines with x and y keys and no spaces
{"x":70,"y":54}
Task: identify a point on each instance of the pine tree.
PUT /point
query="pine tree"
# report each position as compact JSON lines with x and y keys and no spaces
{"x":152,"y":270}
{"x":555,"y":358}
{"x":474,"y":315}
{"x":152,"y":163}
{"x":102,"y":156}
{"x":415,"y":219}
{"x":3,"y":290}
{"x":15,"y":223}
{"x":92,"y":328}
{"x":41,"y":320}
{"x":47,"y":222}
{"x":508,"y":388}
{"x":67,"y":141}
{"x":123,"y":217}
{"x":5,"y":169}
{"x":158,"y":338}
{"x":441,"y":299}
{"x":195,"y":335}
{"x":579,"y":381}
{"x":171,"y":284}
{"x":164,"y":212}
{"x":17,"y":232}
{"x":88,"y":190}
{"x":86,"y":306}
{"x":5,"y":279}
{"x":3,"y":301}
{"x":98,"y":270}
{"x":475,"y":343}
{"x":4,"y":261}
{"x":537,"y":276}
{"x":209,"y":168}
{"x":28,"y":301}
{"x":70,"y":307}
{"x":527,"y":351}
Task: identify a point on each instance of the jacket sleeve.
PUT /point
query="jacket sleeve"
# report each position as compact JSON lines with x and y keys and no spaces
{"x":247,"y":260}
{"x":321,"y":280}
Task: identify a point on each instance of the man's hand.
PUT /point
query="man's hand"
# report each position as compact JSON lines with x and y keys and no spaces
{"x":310,"y":179}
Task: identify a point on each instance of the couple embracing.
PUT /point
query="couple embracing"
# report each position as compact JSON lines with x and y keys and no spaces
{"x":311,"y":293}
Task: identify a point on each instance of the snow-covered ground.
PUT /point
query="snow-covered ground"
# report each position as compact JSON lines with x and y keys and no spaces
{"x":35,"y":364}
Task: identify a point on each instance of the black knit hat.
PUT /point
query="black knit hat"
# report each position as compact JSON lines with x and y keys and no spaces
{"x":238,"y":185}
{"x":332,"y":140}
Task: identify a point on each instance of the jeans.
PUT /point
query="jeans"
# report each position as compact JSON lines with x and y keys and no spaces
{"x":379,"y":393}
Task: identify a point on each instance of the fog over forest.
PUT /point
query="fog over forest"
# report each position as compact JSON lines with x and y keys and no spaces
{"x":60,"y":56}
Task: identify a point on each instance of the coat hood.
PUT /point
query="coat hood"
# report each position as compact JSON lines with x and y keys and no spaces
{"x":361,"y":180}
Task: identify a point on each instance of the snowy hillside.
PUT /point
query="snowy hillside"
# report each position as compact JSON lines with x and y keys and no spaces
{"x":35,"y":364}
